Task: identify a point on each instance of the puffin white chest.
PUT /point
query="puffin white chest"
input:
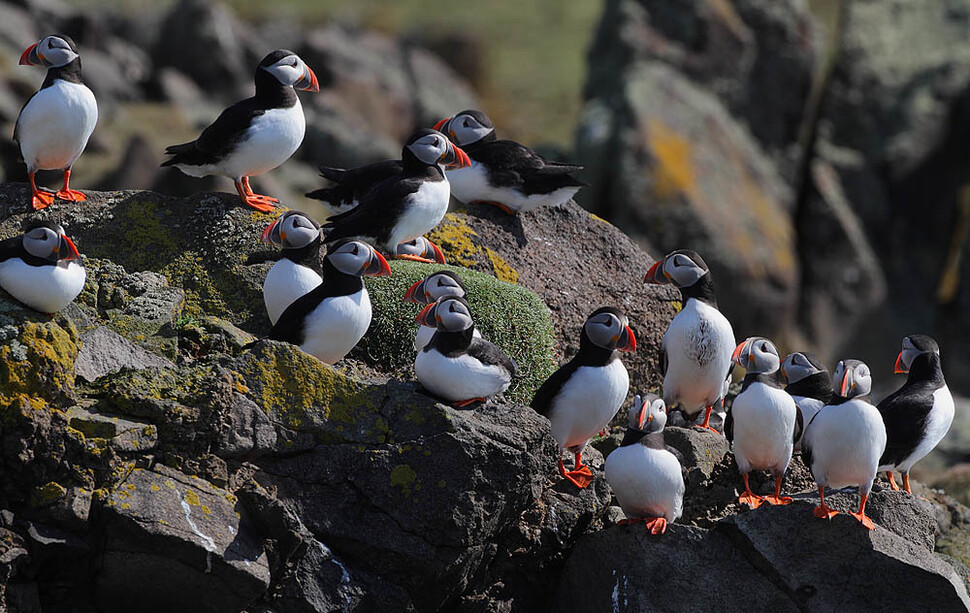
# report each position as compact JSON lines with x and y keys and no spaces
{"x":698,"y":345}
{"x":847,"y":441}
{"x":269,"y":141}
{"x":587,"y":402}
{"x":470,"y":183}
{"x":332,"y":329}
{"x":423,"y":211}
{"x":285,"y":282}
{"x":47,"y":289}
{"x":461,"y":377}
{"x":647,"y":482}
{"x":55,"y":125}
{"x":809,"y":408}
{"x":764,"y":425}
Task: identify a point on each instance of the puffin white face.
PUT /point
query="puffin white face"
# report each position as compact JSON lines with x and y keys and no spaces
{"x":293,"y":230}
{"x":913,"y":345}
{"x":757,"y":355}
{"x":50,"y":243}
{"x":648,"y":414}
{"x":421,"y":247}
{"x":430,"y":148}
{"x":292,"y":71}
{"x":359,"y":259}
{"x":682,"y":270}
{"x":607,"y":330}
{"x":465,"y":129}
{"x":853,"y":379}
{"x":438,"y":285}
{"x":797,"y":367}
{"x":452,"y":315}
{"x":51,"y":52}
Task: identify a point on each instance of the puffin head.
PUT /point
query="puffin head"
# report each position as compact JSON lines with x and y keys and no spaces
{"x":450,"y":313}
{"x":467,"y":127}
{"x":46,"y":240}
{"x":51,"y":52}
{"x":290,"y":70}
{"x":682,"y":268}
{"x":423,"y":248}
{"x":608,"y":328}
{"x":358,"y":258}
{"x":852,"y":379}
{"x":913,"y":345}
{"x":648,"y":414}
{"x":799,"y":365}
{"x":757,"y":355}
{"x":432,"y":147}
{"x":436,"y":285}
{"x":293,"y":230}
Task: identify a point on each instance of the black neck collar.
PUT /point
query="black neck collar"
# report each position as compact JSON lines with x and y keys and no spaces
{"x":336,"y":283}
{"x":305,"y":254}
{"x":926,"y":367}
{"x":270,"y":93}
{"x":70,"y":72}
{"x":817,"y":385}
{"x":451,"y":344}
{"x":591,"y":354}
{"x":702,"y":289}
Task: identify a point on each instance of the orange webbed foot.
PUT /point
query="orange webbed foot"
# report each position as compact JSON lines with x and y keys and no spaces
{"x":864,"y":520}
{"x":42,"y":200}
{"x":708,"y":428}
{"x":657,"y":525}
{"x":752,"y":500}
{"x":260,"y":205}
{"x":580,"y":477}
{"x":823,"y":512}
{"x":464,"y":403}
{"x":777,"y":500}
{"x":505,"y":208}
{"x":71,"y":195}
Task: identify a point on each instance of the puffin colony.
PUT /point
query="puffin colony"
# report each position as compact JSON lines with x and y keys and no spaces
{"x":385,"y":209}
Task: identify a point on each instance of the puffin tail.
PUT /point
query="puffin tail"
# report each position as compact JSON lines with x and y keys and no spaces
{"x":186,"y":153}
{"x":332,"y":174}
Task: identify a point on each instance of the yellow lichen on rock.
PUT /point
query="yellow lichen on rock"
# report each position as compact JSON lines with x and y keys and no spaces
{"x":39,"y":361}
{"x":673,"y":170}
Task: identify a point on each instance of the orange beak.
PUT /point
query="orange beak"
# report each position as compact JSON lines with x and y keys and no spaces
{"x":628,"y":341}
{"x":844,"y":388}
{"x":736,"y":356}
{"x":308,"y":82}
{"x":439,"y":255}
{"x":653,"y":275}
{"x":68,"y":250}
{"x":29,"y":56}
{"x":455,"y":158}
{"x":424,"y":313}
{"x":378,"y":267}
{"x":266,"y":237}
{"x":411,"y":294}
{"x":898,"y":366}
{"x":438,"y":125}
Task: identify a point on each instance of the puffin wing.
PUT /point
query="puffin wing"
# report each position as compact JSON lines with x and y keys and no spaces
{"x":729,"y":425}
{"x":489,"y":353}
{"x":380,"y":208}
{"x":904,"y":412}
{"x":354,"y":182}
{"x":218,"y":138}
{"x":289,"y":326}
{"x":799,"y":424}
{"x":16,"y":126}
{"x":11,"y":248}
{"x":543,"y":399}
{"x":514,"y":165}
{"x":662,"y":357}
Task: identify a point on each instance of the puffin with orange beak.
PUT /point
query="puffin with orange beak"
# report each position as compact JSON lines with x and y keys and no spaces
{"x":582,"y":396}
{"x":917,"y":415}
{"x":330,"y":319}
{"x":427,"y":291}
{"x":54,"y":126}
{"x":406,"y":205}
{"x":255,"y":135}
{"x":844,"y":441}
{"x":695,"y":355}
{"x":294,"y":274}
{"x":41,"y":268}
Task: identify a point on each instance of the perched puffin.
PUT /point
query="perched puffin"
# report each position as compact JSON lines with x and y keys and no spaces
{"x":54,"y":125}
{"x":695,"y":355}
{"x":917,"y":415}
{"x":426,"y":291}
{"x":457,"y":366}
{"x":808,"y":383}
{"x":294,"y":274}
{"x":763,"y":423}
{"x":41,"y":268}
{"x":421,"y":250}
{"x":255,"y":135}
{"x":843,"y":443}
{"x":582,"y":396}
{"x":328,"y":321}
{"x":644,"y":474}
{"x":408,"y":204}
{"x":503,"y":172}
{"x":352,"y":184}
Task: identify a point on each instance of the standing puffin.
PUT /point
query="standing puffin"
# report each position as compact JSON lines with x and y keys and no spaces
{"x":582,"y":396}
{"x":646,"y":477}
{"x":504,"y":173}
{"x":845,"y":440}
{"x":428,"y":290}
{"x":458,"y":366}
{"x":41,"y":268}
{"x":294,"y":274}
{"x":763,"y":423}
{"x":329,"y":321}
{"x":352,"y":184}
{"x":408,"y":204}
{"x":54,"y":126}
{"x":808,"y":383}
{"x":695,"y":355}
{"x":917,"y":415}
{"x":255,"y":135}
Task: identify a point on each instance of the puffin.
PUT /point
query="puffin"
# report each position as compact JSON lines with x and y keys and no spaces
{"x":646,"y":476}
{"x":695,"y":354}
{"x":420,"y":249}
{"x":809,"y":383}
{"x":585,"y":393}
{"x":254,"y":135}
{"x":764,"y":422}
{"x":352,"y":184}
{"x":917,"y":415}
{"x":427,"y":291}
{"x":844,"y":441}
{"x":55,"y":123}
{"x":41,"y":268}
{"x":294,"y":274}
{"x":455,"y":364}
{"x":329,"y":320}
{"x":407,"y":204}
{"x":504,"y":173}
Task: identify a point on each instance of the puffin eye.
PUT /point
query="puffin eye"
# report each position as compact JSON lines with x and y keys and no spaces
{"x":356,"y":249}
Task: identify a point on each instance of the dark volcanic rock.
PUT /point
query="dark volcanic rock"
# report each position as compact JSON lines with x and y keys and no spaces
{"x":104,"y":351}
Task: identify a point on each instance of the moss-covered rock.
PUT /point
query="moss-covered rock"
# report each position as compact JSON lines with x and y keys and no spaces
{"x":36,"y":354}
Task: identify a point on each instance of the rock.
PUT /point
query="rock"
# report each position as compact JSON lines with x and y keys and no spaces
{"x":37,"y":354}
{"x":167,"y":536}
{"x":125,"y":435}
{"x":250,"y":433}
{"x":104,"y":351}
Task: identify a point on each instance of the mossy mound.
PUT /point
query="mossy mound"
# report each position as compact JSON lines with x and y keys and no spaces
{"x":36,"y":354}
{"x":512,"y":317}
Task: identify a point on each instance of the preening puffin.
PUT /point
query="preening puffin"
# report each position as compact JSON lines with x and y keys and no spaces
{"x":41,"y":268}
{"x":295,"y":273}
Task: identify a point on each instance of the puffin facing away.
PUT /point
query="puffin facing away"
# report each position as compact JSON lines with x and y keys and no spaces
{"x":808,"y":383}
{"x":351,"y":185}
{"x":437,"y":285}
{"x":504,"y":173}
{"x":917,"y":415}
{"x":408,"y":204}
{"x":54,"y":125}
{"x":331,"y":319}
{"x":458,"y":366}
{"x":255,"y":135}
{"x":294,"y":274}
{"x":644,"y":474}
{"x":695,"y":355}
{"x":845,"y":440}
{"x":41,"y":268}
{"x":585,"y":393}
{"x":763,"y":423}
